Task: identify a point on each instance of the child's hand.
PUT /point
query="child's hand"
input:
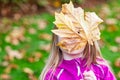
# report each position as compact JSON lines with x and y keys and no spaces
{"x":89,"y":75}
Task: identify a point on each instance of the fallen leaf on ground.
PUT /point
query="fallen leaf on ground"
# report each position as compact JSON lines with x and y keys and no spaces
{"x":31,"y":59}
{"x":13,"y":66}
{"x":5,"y":63}
{"x":15,"y":36}
{"x":10,"y":67}
{"x":105,"y":11}
{"x":28,"y":70}
{"x":112,"y":28}
{"x":7,"y":70}
{"x":117,"y":62}
{"x":56,"y":3}
{"x":45,"y":36}
{"x":111,"y":21}
{"x":32,"y":77}
{"x":114,"y":48}
{"x":17,"y":16}
{"x":118,"y":16}
{"x":37,"y":56}
{"x":45,"y":47}
{"x":117,"y":39}
{"x":118,"y":75}
{"x":5,"y":77}
{"x":32,"y":31}
{"x":41,"y":24}
{"x":6,"y":58}
{"x":13,"y":53}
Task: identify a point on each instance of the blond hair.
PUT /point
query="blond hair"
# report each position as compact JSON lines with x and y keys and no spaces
{"x":91,"y":53}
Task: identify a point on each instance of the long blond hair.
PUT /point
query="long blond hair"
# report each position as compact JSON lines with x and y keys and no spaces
{"x":91,"y":52}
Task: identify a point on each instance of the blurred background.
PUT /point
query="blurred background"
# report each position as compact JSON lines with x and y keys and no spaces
{"x":25,"y":35}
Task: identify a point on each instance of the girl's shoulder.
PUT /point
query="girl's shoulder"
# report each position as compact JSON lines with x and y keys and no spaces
{"x":103,"y":70}
{"x":102,"y":65}
{"x":102,"y":62}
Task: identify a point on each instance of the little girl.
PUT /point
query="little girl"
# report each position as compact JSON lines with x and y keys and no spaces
{"x":75,"y":54}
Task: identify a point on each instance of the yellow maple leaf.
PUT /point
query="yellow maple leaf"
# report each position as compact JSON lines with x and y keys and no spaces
{"x":76,"y":26}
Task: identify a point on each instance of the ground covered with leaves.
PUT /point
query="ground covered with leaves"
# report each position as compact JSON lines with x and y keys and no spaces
{"x":24,"y":46}
{"x":25,"y":42}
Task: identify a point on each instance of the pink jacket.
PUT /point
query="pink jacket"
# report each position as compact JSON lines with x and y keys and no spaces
{"x":73,"y":70}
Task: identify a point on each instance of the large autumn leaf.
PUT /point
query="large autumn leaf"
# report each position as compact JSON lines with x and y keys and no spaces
{"x":77,"y":26}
